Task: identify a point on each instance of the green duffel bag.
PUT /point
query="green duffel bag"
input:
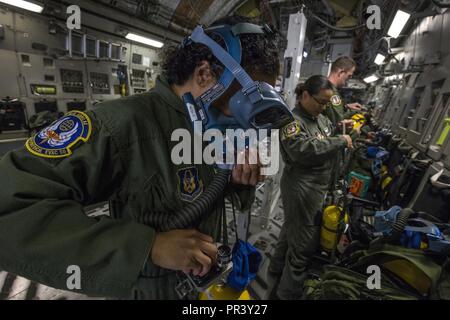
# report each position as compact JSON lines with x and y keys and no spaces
{"x":443,"y":289}
{"x":339,"y":283}
{"x":405,"y":274}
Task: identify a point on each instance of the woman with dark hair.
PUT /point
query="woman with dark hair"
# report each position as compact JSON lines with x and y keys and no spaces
{"x":120,"y":153}
{"x":308,"y":149}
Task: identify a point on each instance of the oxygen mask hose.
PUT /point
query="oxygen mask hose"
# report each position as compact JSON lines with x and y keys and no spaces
{"x":191,"y":214}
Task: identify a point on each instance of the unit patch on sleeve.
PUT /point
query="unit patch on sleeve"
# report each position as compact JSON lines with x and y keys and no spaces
{"x":190,"y":184}
{"x":336,"y":100}
{"x":57,"y":140}
{"x":291,"y":130}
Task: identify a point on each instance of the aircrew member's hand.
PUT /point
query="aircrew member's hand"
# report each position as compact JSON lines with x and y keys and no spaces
{"x":349,"y":141}
{"x":348,"y":123}
{"x":371,"y":135}
{"x":184,"y":250}
{"x":248,"y":170}
{"x":355,"y":106}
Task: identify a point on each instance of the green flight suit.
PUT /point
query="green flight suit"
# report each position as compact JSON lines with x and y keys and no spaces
{"x":336,"y":110}
{"x":125,"y":160}
{"x":308,"y":149}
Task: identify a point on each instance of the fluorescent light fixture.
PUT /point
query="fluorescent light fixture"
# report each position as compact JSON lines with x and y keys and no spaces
{"x":371,"y":79}
{"x":400,"y":20}
{"x":380,"y":59}
{"x":24,"y":5}
{"x":144,"y":40}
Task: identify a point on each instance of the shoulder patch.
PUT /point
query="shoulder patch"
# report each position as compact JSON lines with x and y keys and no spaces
{"x":189,"y":183}
{"x":56,"y":141}
{"x":336,"y":100}
{"x":291,"y":130}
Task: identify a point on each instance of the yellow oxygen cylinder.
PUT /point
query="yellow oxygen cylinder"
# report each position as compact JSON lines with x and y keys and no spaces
{"x":330,"y":228}
{"x":123,"y":90}
{"x":223,"y":292}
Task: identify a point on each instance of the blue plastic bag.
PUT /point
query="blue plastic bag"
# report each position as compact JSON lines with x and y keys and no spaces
{"x":246,"y":262}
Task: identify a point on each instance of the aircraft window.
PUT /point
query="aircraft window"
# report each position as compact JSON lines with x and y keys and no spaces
{"x":104,"y":49}
{"x":77,"y":44}
{"x":116,"y":52}
{"x":91,"y":47}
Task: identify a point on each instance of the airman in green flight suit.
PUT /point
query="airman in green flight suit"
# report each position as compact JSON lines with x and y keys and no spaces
{"x":309,"y":147}
{"x":337,"y":110}
{"x":120,"y":152}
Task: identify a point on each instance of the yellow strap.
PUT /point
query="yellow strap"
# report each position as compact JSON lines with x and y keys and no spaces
{"x":444,"y":133}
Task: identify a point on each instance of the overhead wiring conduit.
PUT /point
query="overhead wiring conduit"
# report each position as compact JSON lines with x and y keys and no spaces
{"x":441,"y":4}
{"x":326,"y":24}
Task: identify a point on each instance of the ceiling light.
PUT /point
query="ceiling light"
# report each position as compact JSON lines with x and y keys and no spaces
{"x":144,"y":40}
{"x":24,"y":5}
{"x":380,"y":59}
{"x":371,"y":79}
{"x":400,"y":20}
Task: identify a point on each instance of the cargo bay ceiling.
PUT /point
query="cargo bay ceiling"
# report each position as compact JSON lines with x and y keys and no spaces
{"x":172,"y":20}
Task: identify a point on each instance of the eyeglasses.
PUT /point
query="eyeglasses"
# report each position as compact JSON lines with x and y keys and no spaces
{"x":322,"y":103}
